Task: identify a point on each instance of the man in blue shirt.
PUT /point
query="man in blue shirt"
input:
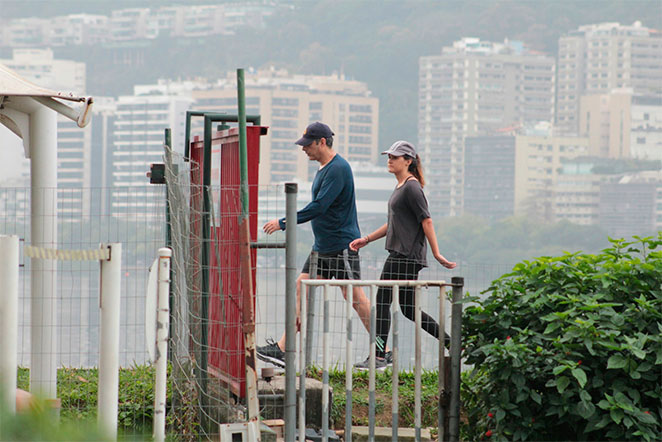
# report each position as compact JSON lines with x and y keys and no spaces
{"x":332,"y":213}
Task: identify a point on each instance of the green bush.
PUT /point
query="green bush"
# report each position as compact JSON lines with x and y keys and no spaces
{"x":569,"y":348}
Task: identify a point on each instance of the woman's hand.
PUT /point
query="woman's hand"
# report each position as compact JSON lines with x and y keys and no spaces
{"x":358,"y":243}
{"x":444,"y":262}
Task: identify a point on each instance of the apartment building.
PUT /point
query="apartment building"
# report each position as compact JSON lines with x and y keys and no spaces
{"x":474,"y":88}
{"x":577,"y":192}
{"x":77,"y":29}
{"x":632,"y":204}
{"x":287,"y":104}
{"x":646,"y":128}
{"x":489,"y":176}
{"x":138,"y":137}
{"x":596,"y":58}
{"x":539,"y":156}
{"x":126,"y":26}
{"x":132,"y":24}
{"x":605,"y":120}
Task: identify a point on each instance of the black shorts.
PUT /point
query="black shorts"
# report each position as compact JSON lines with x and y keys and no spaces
{"x":343,"y":264}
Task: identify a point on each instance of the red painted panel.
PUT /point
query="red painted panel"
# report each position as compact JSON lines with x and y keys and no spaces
{"x":226,"y":352}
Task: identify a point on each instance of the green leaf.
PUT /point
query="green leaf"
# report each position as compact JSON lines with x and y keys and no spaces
{"x":562,"y":383}
{"x":645,"y":418}
{"x":559,"y":369}
{"x":551,"y":327}
{"x":536,"y":397}
{"x":580,"y":375}
{"x":617,"y":361}
{"x":585,"y":409}
{"x":585,"y":395}
{"x":604,"y":404}
{"x":500,"y":414}
{"x":641,"y":354}
{"x":616,"y":415}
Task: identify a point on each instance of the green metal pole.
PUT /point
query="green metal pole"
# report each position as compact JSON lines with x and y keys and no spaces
{"x":204,"y":264}
{"x":248,"y":312}
{"x":243,"y":150}
{"x":168,"y":238}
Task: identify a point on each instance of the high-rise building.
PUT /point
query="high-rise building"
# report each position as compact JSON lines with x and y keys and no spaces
{"x":539,"y":155}
{"x":605,"y":120}
{"x":597,"y":58}
{"x":632,"y":204}
{"x":489,"y":176}
{"x":138,"y":137}
{"x":577,"y":192}
{"x":474,"y":88}
{"x":287,"y":104}
{"x":646,"y":128}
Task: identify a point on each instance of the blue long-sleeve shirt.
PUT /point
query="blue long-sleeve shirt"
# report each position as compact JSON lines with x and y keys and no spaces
{"x":332,"y":211}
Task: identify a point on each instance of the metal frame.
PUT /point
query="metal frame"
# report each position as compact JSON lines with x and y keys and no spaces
{"x":457,"y":284}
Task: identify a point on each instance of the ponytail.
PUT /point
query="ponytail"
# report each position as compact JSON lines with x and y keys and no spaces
{"x":416,"y":169}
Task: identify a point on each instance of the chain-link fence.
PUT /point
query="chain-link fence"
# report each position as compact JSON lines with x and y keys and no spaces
{"x":202,"y":395}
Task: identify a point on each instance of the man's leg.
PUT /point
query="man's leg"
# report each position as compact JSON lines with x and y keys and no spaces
{"x":361,"y":305}
{"x":281,"y":341}
{"x":274,"y":352}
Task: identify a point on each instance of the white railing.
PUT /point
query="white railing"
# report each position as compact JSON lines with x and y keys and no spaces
{"x":395,"y":307}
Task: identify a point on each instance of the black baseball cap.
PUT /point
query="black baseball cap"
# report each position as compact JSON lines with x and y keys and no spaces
{"x":313,"y":132}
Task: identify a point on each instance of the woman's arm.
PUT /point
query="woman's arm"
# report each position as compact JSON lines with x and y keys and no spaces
{"x":428,"y":229}
{"x":362,"y":242}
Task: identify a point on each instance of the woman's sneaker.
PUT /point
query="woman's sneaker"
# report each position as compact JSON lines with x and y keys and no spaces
{"x":380,"y":363}
{"x":271,"y":353}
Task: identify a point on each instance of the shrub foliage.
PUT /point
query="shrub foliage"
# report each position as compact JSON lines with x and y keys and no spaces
{"x":569,"y":348}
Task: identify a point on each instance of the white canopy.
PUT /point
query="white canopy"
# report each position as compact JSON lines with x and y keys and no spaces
{"x":11,"y":84}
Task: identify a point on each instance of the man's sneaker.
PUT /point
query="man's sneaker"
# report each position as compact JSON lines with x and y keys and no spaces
{"x":389,"y":357}
{"x":380,"y":364}
{"x":271,"y":353}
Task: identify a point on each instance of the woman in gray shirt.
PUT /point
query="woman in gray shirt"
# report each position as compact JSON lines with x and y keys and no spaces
{"x":409,"y":225}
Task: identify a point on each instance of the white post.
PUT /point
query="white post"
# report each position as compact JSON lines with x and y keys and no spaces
{"x":8,"y":320}
{"x":109,"y":303}
{"x":162,"y":327}
{"x":43,"y":233}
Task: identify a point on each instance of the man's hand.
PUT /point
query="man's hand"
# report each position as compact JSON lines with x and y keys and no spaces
{"x":271,"y":227}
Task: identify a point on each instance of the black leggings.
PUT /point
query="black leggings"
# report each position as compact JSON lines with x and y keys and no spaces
{"x":399,"y":267}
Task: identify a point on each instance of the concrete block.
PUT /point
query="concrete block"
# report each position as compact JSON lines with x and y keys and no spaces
{"x":272,"y":399}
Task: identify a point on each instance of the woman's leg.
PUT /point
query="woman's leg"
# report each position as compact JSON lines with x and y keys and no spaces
{"x":409,"y":270}
{"x":384,"y":299}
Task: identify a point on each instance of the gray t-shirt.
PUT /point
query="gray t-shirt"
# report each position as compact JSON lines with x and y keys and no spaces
{"x":407,"y":208}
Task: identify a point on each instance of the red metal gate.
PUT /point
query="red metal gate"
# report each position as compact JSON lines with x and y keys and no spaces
{"x":225,"y":337}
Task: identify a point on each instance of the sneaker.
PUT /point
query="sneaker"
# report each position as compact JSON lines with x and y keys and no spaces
{"x":389,"y":357}
{"x":380,"y":364}
{"x":271,"y":353}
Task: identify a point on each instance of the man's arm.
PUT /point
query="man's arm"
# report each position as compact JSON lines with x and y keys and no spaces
{"x":331,"y":186}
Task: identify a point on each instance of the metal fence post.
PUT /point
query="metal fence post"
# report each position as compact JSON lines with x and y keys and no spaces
{"x":109,"y":302}
{"x":8,"y":320}
{"x":456,"y":363}
{"x":291,"y":190}
{"x":163,"y":325}
{"x":443,"y":404}
{"x":311,"y":309}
